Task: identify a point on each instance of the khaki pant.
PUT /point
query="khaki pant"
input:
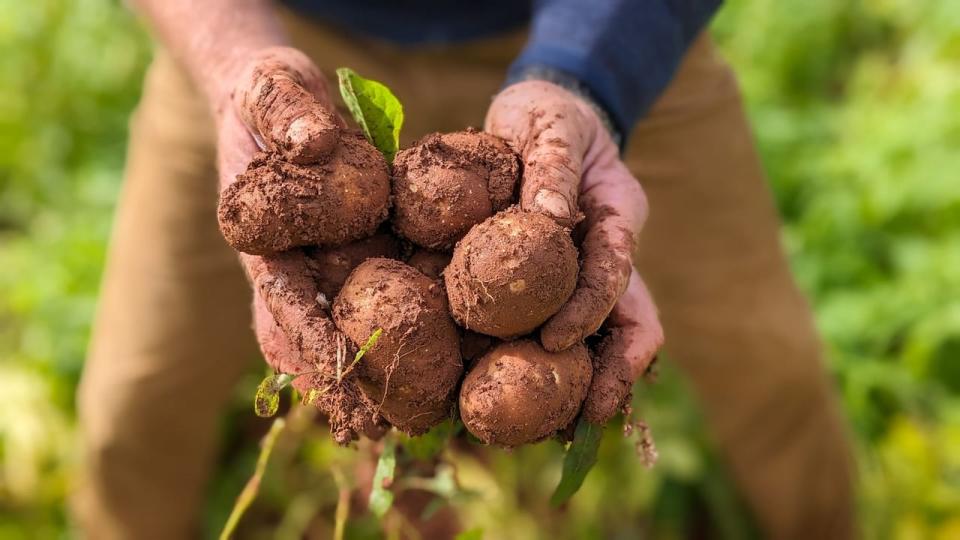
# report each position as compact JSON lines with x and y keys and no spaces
{"x":173,"y":331}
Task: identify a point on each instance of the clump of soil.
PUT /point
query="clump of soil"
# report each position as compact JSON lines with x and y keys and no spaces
{"x":331,"y":266}
{"x":413,"y":370}
{"x":448,"y":182}
{"x":277,"y":205}
{"x":510,"y":273}
{"x":518,"y":393}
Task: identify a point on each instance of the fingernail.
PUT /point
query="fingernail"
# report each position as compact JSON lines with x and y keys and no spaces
{"x":552,"y":203}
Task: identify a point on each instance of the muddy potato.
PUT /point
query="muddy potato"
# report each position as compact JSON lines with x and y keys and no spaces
{"x":518,"y":393}
{"x":331,"y":266}
{"x":413,"y":369}
{"x":275,"y":205}
{"x":510,"y":273}
{"x":446,"y":183}
{"x":430,"y":263}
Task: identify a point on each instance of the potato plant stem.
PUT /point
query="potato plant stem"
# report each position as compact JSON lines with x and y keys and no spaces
{"x":250,"y":490}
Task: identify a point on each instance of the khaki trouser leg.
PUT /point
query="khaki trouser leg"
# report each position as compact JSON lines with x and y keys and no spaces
{"x":734,"y":320}
{"x":172,"y":333}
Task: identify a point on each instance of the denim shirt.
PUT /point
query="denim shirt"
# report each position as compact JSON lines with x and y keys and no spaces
{"x":623,"y":52}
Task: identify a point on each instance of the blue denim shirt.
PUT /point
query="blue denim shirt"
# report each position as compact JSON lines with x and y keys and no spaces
{"x":624,"y":52}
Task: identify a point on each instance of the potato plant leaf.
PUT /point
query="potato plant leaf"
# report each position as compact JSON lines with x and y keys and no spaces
{"x":381,"y":498}
{"x":371,"y":341}
{"x":580,"y":458}
{"x":267,"y":399}
{"x":375,"y":108}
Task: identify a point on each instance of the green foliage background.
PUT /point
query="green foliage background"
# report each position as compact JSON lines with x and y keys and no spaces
{"x":856,"y":106}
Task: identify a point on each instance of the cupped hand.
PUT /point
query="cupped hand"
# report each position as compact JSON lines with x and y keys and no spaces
{"x":572,"y":166}
{"x":277,"y":101}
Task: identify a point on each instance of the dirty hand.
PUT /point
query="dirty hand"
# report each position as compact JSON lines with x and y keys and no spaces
{"x":572,"y":165}
{"x":277,"y":101}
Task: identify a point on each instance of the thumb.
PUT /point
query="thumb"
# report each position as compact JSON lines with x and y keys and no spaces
{"x":547,"y":126}
{"x":282,"y":100}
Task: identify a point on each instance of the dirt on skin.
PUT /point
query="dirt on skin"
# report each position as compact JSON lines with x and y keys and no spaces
{"x":612,"y":380}
{"x":276,"y":205}
{"x":518,"y":393}
{"x":279,"y":103}
{"x":331,"y":266}
{"x":448,"y":182}
{"x":510,"y":273}
{"x":413,"y":369}
{"x":604,"y":276}
{"x":301,"y":339}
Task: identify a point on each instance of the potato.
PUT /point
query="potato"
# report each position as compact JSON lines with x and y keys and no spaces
{"x":430,"y":263}
{"x":275,"y":205}
{"x":331,"y":266}
{"x":518,"y":393}
{"x":446,"y":183}
{"x":510,"y":273}
{"x":413,"y":369}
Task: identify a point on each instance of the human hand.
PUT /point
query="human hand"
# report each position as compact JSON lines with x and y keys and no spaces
{"x":572,"y":165}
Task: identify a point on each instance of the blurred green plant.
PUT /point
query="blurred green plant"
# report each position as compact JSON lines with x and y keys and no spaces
{"x":856,"y":106}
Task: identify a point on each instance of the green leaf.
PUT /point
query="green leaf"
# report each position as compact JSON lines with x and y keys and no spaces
{"x":580,"y":458}
{"x":381,"y":498}
{"x":472,"y":534}
{"x":375,"y":108}
{"x":249,"y":493}
{"x":371,"y":341}
{"x":267,"y":399}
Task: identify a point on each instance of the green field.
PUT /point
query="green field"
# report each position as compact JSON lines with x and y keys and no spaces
{"x":856,"y":107}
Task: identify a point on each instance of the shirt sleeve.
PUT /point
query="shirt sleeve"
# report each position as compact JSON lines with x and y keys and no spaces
{"x":625,"y":52}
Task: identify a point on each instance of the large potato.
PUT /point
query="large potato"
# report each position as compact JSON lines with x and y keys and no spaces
{"x":510,"y":273}
{"x":448,"y":182}
{"x":275,"y":205}
{"x":413,"y":369}
{"x":518,"y":393}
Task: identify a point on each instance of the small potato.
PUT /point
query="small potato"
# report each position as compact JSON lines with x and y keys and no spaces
{"x":275,"y":205}
{"x":448,"y":182}
{"x":511,"y":273}
{"x":331,"y":266}
{"x":518,"y":393}
{"x":430,"y":263}
{"x":413,"y":369}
